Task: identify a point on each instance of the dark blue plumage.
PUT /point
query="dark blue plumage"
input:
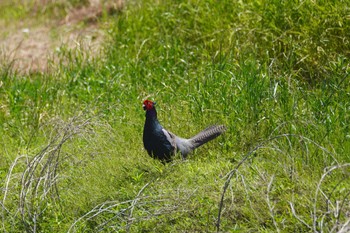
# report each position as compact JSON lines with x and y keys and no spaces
{"x":154,"y":139}
{"x":162,"y":144}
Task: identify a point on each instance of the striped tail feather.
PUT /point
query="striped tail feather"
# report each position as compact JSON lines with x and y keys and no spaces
{"x":207,"y":134}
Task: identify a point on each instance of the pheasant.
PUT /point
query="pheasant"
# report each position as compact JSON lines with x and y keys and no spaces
{"x":162,"y":144}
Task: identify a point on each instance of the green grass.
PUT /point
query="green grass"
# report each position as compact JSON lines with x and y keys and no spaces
{"x":276,"y":73}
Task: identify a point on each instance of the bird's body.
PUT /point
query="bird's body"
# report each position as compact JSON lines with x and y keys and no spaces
{"x":162,"y":144}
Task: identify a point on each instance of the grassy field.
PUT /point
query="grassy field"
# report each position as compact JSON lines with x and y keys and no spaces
{"x":276,"y":73}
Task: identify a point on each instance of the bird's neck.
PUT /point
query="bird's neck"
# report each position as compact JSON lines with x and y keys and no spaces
{"x":151,"y":115}
{"x":152,"y":124}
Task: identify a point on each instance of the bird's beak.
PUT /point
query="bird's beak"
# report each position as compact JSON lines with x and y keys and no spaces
{"x":144,"y":107}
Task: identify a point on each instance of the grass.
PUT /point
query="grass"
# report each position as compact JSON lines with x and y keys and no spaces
{"x":276,"y":73}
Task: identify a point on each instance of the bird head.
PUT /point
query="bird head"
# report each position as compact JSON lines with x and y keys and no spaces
{"x":148,"y":105}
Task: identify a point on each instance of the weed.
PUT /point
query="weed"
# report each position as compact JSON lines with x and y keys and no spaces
{"x":276,"y":73}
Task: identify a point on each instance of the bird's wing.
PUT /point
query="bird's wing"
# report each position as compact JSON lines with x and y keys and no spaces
{"x":170,"y":137}
{"x":182,"y":145}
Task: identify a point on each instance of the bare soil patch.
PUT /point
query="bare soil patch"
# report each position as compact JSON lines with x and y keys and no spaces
{"x":29,"y":47}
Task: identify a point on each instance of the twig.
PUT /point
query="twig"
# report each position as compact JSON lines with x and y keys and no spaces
{"x":125,"y":215}
{"x":232,"y":172}
{"x":40,"y":176}
{"x":297,"y":217}
{"x":345,"y":227}
{"x":269,"y":204}
{"x":133,"y":204}
{"x":227,"y":183}
{"x":318,"y":190}
{"x":8,"y":177}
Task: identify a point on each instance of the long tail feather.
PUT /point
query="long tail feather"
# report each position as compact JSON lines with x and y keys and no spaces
{"x":207,"y":134}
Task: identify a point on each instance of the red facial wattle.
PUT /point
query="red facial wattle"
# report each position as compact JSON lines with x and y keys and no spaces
{"x":148,"y":105}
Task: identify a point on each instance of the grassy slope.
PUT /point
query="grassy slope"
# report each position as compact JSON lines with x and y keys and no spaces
{"x":275,"y":73}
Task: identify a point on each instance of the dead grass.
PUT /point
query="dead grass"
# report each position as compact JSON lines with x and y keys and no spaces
{"x":40,"y":174}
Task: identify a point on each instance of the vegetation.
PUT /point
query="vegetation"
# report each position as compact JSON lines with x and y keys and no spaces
{"x":275,"y":72}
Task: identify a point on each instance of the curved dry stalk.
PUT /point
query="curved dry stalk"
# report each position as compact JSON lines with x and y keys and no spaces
{"x":248,"y":155}
{"x":319,"y":191}
{"x":122,"y":213}
{"x":133,"y":204}
{"x":227,"y":183}
{"x":9,"y":176}
{"x":99,"y":209}
{"x":345,"y":227}
{"x":40,"y":177}
{"x":297,"y":217}
{"x":271,"y":207}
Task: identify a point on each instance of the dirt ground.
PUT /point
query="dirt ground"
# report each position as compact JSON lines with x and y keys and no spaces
{"x":29,"y":47}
